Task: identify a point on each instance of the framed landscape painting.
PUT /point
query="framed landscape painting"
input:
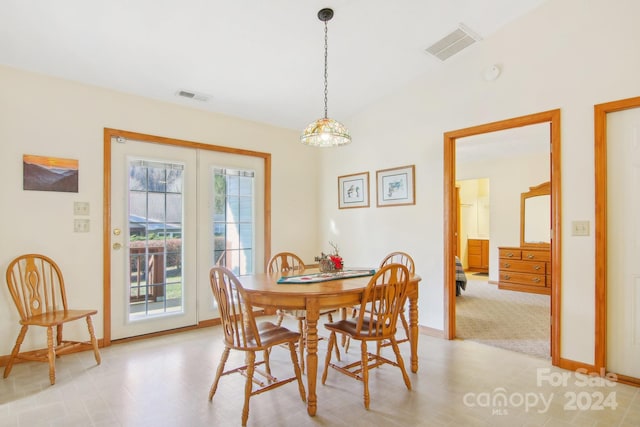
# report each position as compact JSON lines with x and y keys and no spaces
{"x":43,"y":173}
{"x":396,"y":187}
{"x":353,"y":191}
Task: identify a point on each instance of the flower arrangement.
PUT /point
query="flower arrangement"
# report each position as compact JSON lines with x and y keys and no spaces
{"x":332,"y":261}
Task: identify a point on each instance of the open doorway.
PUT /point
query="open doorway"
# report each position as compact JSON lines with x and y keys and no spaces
{"x":552,"y":118}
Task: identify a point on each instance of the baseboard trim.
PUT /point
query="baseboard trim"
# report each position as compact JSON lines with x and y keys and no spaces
{"x":432,"y":332}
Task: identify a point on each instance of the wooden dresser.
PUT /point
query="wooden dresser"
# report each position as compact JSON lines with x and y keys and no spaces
{"x":525,"y":269}
{"x":478,"y":255}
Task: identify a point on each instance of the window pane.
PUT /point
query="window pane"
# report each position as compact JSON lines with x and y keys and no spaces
{"x":233,"y":222}
{"x":233,"y":208}
{"x":246,"y":236}
{"x":246,"y":186}
{"x":246,"y":209}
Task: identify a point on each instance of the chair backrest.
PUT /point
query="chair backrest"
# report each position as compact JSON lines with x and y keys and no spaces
{"x":285,"y":261}
{"x":400,"y":258}
{"x":238,"y":324}
{"x":36,"y":285}
{"x":382,"y":300}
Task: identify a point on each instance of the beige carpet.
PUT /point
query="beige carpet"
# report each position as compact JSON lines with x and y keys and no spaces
{"x":517,"y":321}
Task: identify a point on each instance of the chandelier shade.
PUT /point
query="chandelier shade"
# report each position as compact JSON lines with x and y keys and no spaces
{"x":325,"y":132}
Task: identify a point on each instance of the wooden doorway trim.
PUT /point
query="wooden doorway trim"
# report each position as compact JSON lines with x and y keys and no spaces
{"x":106,"y":209}
{"x":600,"y":132}
{"x":553,"y":118}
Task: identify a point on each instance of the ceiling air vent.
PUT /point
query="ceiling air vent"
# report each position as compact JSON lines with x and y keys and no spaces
{"x":453,"y":43}
{"x":193,"y":95}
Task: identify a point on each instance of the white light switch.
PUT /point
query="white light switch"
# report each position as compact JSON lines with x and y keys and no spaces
{"x":80,"y":225}
{"x":580,"y":228}
{"x":81,"y":208}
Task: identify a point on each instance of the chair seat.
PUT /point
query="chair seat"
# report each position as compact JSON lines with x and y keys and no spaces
{"x":350,"y":327}
{"x":57,"y":317}
{"x":272,"y":334}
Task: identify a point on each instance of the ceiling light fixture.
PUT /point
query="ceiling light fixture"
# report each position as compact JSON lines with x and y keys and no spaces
{"x":325,"y":132}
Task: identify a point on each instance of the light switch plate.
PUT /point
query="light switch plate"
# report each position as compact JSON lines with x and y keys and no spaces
{"x":80,"y":225}
{"x":580,"y":228}
{"x":81,"y":208}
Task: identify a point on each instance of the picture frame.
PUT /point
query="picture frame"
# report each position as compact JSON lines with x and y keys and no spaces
{"x":353,"y":191}
{"x":396,"y":186}
{"x":46,"y":173}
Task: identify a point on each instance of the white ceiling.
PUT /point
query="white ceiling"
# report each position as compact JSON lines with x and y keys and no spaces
{"x":258,"y":59}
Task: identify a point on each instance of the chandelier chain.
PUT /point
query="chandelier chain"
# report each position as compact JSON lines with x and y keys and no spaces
{"x":326,"y":74}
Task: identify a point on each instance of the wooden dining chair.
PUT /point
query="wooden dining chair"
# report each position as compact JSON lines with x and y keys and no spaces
{"x":242,"y":333}
{"x":37,"y":288}
{"x":405,"y":259}
{"x":288,"y":262}
{"x":381,"y":303}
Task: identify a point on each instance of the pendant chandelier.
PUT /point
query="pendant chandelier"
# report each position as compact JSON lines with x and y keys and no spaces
{"x":325,"y":132}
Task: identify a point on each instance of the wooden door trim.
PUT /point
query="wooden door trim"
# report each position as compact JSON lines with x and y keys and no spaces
{"x":106,"y":201}
{"x":600,"y":154}
{"x":552,"y":117}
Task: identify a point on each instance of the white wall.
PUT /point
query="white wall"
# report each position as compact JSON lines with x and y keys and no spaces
{"x":568,"y":54}
{"x":47,"y":116}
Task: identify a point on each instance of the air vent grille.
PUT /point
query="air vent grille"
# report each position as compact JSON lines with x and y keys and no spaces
{"x":453,"y":43}
{"x":193,"y":95}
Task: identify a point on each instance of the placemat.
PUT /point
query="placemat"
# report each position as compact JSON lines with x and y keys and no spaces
{"x":325,"y":277}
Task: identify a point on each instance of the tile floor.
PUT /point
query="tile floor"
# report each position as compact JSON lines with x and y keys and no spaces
{"x":165,"y":382}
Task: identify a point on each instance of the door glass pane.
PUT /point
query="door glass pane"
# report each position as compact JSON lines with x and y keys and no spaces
{"x":156,"y":284}
{"x":233,"y":220}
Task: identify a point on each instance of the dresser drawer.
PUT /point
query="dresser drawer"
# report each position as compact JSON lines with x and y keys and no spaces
{"x":510,"y":253}
{"x":523,"y":278}
{"x":532,"y":267}
{"x":536,"y":255}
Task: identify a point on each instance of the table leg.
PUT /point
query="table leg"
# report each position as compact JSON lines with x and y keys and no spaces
{"x":313,"y":314}
{"x":413,"y":328}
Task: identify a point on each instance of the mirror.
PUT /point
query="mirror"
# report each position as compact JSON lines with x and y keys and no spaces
{"x":535,"y":216}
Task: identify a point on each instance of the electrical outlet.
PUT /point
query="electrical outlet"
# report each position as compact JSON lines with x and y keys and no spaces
{"x":80,"y":225}
{"x":580,"y":228}
{"x":81,"y":208}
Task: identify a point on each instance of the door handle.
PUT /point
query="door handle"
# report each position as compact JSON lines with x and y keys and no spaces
{"x":117,"y":246}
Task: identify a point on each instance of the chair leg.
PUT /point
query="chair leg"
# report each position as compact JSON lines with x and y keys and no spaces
{"x":94,"y":341}
{"x":327,"y":360}
{"x":219,"y":371}
{"x":51,"y":355}
{"x":296,"y":369}
{"x":400,"y":362}
{"x":302,"y":328}
{"x":267,"y":365}
{"x":365,"y":372}
{"x":16,"y":350}
{"x":248,"y":387}
{"x":405,"y":324}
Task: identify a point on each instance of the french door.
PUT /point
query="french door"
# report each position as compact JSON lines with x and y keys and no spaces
{"x":153,"y":214}
{"x":175,"y":212}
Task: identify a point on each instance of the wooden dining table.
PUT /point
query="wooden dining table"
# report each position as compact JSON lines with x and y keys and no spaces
{"x":264,"y":291}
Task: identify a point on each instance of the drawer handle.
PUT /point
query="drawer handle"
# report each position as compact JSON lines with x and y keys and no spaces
{"x":507,"y":265}
{"x":510,"y":254}
{"x":537,"y":267}
{"x":530,"y":256}
{"x":507,"y":277}
{"x":536,"y":280}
